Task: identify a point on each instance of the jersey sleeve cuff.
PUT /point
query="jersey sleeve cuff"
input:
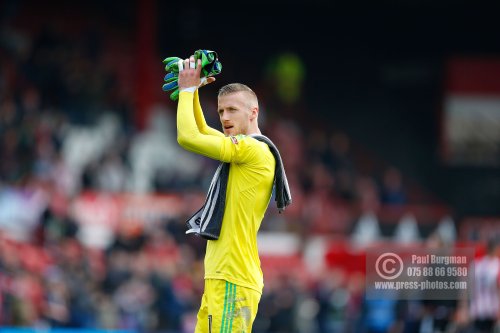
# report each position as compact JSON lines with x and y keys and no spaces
{"x":189,"y":89}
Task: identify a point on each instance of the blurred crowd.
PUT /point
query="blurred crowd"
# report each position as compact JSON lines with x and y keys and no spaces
{"x":66,"y":127}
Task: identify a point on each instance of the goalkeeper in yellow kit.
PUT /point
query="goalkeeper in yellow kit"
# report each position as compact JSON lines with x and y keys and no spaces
{"x":233,"y":277}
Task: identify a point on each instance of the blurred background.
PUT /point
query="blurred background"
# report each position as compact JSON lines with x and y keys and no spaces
{"x":386,"y":113}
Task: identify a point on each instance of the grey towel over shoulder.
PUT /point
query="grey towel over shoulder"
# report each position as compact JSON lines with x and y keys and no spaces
{"x":207,"y":221}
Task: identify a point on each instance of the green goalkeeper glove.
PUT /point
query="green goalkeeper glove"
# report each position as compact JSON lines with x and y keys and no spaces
{"x":210,"y":64}
{"x":172,"y":76}
{"x":172,"y":83}
{"x":210,"y":67}
{"x":172,"y":64}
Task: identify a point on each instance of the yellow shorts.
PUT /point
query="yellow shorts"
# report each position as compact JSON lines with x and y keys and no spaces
{"x":226,"y":308}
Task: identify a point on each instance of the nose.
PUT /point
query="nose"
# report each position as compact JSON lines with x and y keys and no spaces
{"x":224,"y":116}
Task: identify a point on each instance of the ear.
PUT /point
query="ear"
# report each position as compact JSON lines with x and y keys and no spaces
{"x":254,"y":112}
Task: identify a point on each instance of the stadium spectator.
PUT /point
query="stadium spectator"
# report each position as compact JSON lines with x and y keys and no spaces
{"x":484,"y":305}
{"x":392,"y":191}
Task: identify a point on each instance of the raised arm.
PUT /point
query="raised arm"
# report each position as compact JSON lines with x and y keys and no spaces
{"x":189,"y":134}
{"x":200,"y":118}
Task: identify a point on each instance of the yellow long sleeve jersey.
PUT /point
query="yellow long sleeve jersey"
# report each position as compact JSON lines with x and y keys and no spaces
{"x":234,"y":256}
